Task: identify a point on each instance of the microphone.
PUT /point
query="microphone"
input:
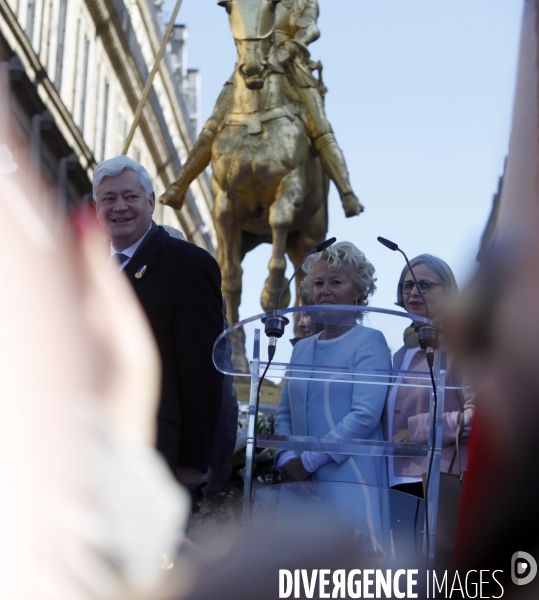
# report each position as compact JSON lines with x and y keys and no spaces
{"x":392,"y":246}
{"x":428,"y":340}
{"x":427,"y":335}
{"x":387,"y":243}
{"x":275,"y":324}
{"x":321,"y":247}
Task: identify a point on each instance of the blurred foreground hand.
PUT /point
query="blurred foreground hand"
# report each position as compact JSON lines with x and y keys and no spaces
{"x":87,"y":507}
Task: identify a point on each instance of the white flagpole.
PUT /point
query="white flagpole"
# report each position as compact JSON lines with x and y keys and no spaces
{"x":148,"y":86}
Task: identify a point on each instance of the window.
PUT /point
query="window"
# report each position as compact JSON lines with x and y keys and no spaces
{"x":84,"y":81}
{"x":62,"y":13}
{"x":103,"y":147}
{"x":30,"y":20}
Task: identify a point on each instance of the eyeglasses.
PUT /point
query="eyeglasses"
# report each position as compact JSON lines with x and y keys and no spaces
{"x":424,"y":286}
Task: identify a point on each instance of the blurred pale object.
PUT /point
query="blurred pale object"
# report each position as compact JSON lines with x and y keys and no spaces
{"x":494,"y":329}
{"x":87,"y":507}
{"x":7,"y":164}
{"x":498,"y":310}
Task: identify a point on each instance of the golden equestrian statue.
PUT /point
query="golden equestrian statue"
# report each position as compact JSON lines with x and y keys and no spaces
{"x":270,"y":145}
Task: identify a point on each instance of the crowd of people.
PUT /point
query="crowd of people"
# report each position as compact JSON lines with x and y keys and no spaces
{"x":178,"y":285}
{"x":138,"y":390}
{"x":109,"y":395}
{"x":193,"y":422}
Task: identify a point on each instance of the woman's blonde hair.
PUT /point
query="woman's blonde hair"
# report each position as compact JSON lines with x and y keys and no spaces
{"x":343,"y":255}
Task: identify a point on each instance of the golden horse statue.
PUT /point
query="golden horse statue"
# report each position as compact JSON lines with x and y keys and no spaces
{"x":271,"y":149}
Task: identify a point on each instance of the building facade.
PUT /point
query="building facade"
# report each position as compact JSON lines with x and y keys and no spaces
{"x":76,"y":70}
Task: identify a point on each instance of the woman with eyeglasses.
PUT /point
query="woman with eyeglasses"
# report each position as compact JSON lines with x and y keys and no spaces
{"x":407,"y":414}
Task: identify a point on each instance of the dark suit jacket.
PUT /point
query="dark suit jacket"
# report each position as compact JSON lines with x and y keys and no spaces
{"x":227,"y":427}
{"x":180,"y":292}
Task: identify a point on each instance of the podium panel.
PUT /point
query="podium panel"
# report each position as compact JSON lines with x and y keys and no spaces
{"x":382,"y":522}
{"x":320,"y":317}
{"x":330,"y":383}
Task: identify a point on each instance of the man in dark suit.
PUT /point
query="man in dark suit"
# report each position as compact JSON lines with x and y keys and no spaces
{"x":179,"y":287}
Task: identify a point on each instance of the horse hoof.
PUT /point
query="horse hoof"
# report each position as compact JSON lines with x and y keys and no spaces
{"x":272,"y":288}
{"x":269,"y":300}
{"x":352,"y":206}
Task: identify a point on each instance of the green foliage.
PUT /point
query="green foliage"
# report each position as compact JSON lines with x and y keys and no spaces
{"x":219,"y":508}
{"x":264,"y":471}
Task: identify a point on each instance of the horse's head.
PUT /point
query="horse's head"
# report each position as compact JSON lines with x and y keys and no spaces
{"x":252,"y":23}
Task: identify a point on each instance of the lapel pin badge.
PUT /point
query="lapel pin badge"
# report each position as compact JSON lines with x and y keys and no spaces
{"x":140,"y":272}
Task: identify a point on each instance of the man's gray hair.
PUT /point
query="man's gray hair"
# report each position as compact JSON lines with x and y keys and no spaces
{"x":347,"y":256}
{"x":114,"y":166}
{"x":439,"y":266}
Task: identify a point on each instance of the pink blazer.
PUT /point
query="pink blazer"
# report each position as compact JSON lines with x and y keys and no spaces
{"x":411,"y":412}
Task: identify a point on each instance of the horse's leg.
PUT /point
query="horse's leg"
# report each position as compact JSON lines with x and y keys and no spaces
{"x":229,"y":236}
{"x":200,"y":155}
{"x":308,"y":237}
{"x":290,"y":198}
{"x":304,"y":241}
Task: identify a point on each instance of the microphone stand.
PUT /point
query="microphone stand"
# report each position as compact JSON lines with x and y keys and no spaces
{"x":428,"y":340}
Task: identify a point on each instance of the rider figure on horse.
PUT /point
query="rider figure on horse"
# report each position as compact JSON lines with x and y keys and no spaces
{"x":295,"y":28}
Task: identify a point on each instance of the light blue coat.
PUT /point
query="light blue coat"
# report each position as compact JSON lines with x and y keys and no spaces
{"x":345,"y":410}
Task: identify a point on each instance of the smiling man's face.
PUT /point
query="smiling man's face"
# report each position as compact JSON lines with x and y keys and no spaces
{"x":123,"y":210}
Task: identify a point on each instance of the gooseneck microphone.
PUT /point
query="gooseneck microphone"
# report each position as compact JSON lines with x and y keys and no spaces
{"x":323,"y":245}
{"x":275,"y":324}
{"x":389,"y":244}
{"x":427,"y":335}
{"x":392,"y":246}
{"x":428,"y":340}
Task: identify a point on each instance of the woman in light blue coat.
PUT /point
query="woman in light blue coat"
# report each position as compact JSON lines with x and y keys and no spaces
{"x":341,"y":275}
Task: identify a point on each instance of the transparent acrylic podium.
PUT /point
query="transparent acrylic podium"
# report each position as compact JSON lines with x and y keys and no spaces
{"x":317,"y":499}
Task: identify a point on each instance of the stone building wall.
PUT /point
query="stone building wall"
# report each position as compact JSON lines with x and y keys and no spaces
{"x":77,"y":69}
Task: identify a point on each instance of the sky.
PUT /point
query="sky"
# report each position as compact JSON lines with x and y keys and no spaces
{"x":420,"y":99}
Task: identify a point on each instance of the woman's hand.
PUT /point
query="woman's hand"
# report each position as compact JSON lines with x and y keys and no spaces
{"x":402,"y":436}
{"x":294,"y":470}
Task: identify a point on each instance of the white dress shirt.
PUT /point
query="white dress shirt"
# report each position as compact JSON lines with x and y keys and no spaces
{"x":129,"y":252}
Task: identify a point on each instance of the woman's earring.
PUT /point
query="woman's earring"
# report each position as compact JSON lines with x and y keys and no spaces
{"x":357,"y":301}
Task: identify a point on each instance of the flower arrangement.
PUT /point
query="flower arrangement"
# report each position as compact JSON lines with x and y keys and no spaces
{"x":264,"y":472}
{"x":216,"y":509}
